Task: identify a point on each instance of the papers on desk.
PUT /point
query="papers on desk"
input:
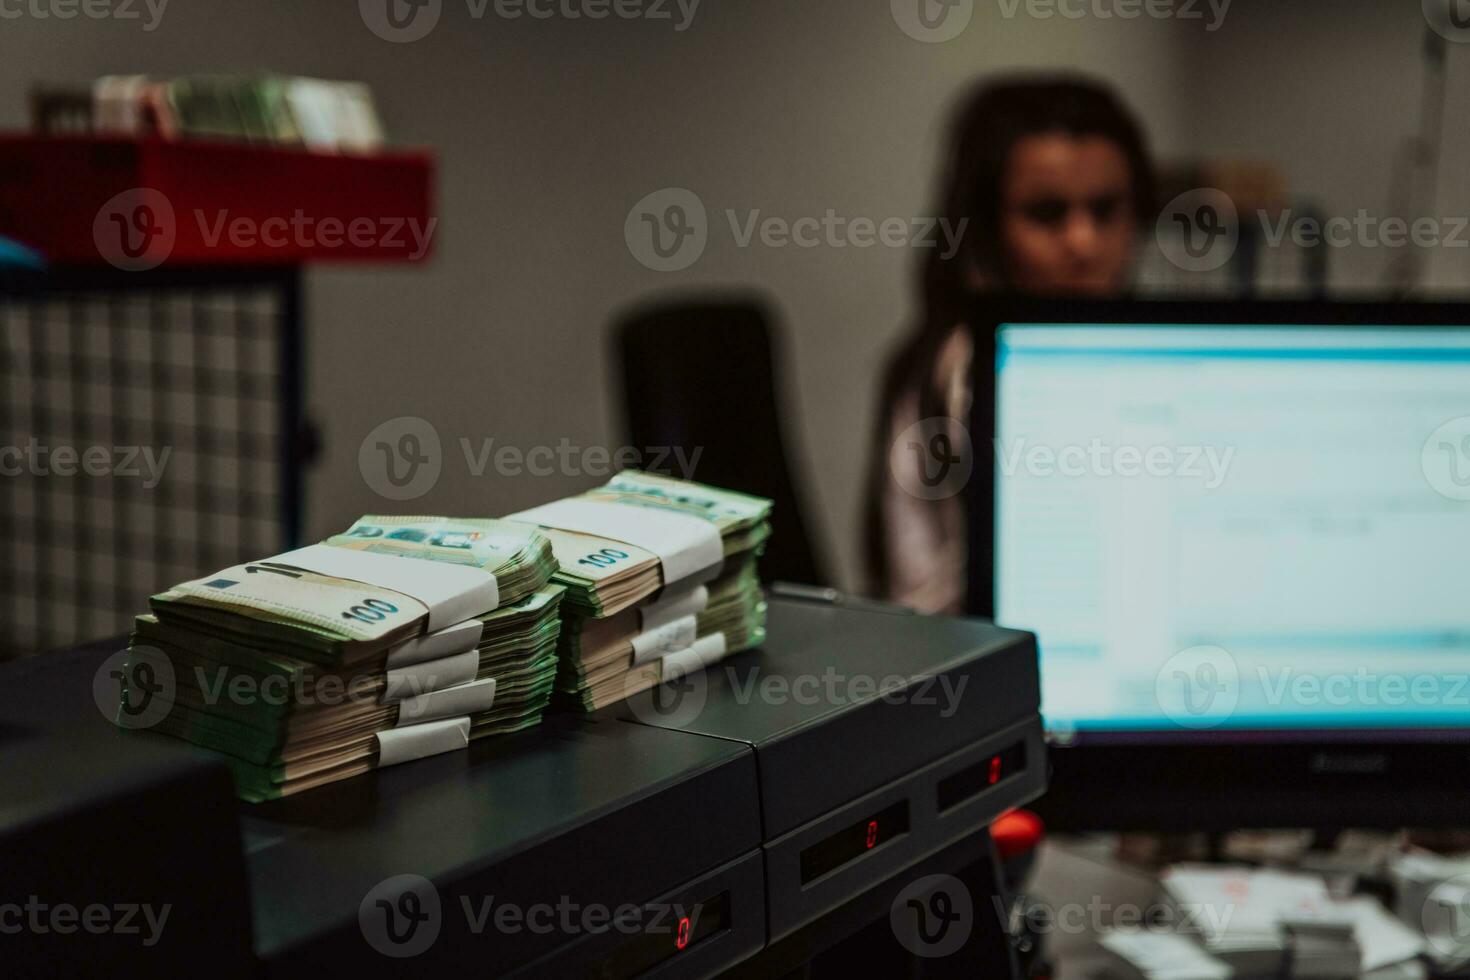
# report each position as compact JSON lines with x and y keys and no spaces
{"x":1353,"y":937}
{"x":1140,"y":955}
{"x":1264,"y":923}
{"x":1322,"y":942}
{"x":1433,"y":893}
{"x":1387,"y":943}
{"x":1236,"y":913}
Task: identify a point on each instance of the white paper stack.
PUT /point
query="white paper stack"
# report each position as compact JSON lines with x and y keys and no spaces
{"x":1143,"y":955}
{"x":1391,"y":949}
{"x":1354,"y":937}
{"x":1236,"y":913}
{"x":1415,"y":874}
{"x":1265,"y":923}
{"x":1323,"y":942}
{"x":1432,"y":895}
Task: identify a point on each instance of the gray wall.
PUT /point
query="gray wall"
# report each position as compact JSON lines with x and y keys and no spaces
{"x":1330,"y":90}
{"x":549,"y":132}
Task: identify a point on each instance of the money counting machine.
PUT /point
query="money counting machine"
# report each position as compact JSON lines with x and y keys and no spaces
{"x":723,"y":820}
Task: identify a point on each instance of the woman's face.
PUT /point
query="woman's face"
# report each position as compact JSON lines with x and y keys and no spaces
{"x":1067,"y":215}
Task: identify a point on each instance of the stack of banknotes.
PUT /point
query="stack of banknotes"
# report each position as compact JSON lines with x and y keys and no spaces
{"x":660,"y":578}
{"x":402,"y":637}
{"x":271,"y":109}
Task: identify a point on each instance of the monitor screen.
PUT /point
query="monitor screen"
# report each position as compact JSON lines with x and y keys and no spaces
{"x":1221,"y":530}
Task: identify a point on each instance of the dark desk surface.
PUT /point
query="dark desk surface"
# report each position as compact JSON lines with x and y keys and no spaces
{"x":573,"y":808}
{"x":595,"y":812}
{"x":829,"y":734}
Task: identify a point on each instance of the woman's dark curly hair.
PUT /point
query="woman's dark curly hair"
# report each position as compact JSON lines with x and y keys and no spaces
{"x":992,"y":118}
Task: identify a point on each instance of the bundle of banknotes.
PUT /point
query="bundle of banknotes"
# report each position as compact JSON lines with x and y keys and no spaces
{"x":401,"y":638}
{"x":661,"y":581}
{"x":404,"y":637}
{"x":272,"y":109}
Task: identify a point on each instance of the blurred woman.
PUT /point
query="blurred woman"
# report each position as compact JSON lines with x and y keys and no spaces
{"x":1052,"y":181}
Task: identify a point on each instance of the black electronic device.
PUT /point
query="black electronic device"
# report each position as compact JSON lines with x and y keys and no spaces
{"x":116,"y":849}
{"x":588,"y":849}
{"x":564,"y":825}
{"x":647,"y":840}
{"x":1234,"y":527}
{"x":879,"y":738}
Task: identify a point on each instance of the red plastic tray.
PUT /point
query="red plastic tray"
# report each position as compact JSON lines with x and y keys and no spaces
{"x":136,"y":204}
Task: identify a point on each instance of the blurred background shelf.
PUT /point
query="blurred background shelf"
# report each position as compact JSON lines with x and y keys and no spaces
{"x":71,"y":197}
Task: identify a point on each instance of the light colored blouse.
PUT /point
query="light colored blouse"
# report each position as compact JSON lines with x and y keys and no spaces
{"x":924,"y":541}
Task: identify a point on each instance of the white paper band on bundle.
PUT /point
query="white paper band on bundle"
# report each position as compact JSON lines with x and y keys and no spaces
{"x":684,"y":544}
{"x":673,"y":637}
{"x":672,"y":606}
{"x":440,"y":643}
{"x":431,"y":675}
{"x":697,"y":656}
{"x":465,"y":699}
{"x":421,"y":741}
{"x":453,"y":593}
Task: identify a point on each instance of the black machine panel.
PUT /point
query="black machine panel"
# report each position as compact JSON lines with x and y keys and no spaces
{"x":699,"y":930}
{"x":637,"y":842}
{"x":116,"y":851}
{"x":527,"y":846}
{"x":880,"y":738}
{"x":904,"y":821}
{"x":840,"y":702}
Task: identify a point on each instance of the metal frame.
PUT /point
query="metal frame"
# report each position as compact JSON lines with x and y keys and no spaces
{"x":184,"y":311}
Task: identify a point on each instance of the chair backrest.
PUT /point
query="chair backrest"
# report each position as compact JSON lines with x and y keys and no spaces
{"x":703,"y":376}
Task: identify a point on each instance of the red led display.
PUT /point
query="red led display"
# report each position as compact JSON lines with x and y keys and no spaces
{"x":855,"y":841}
{"x":646,"y":950}
{"x":978,"y":777}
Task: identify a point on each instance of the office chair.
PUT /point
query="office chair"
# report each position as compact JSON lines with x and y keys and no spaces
{"x":703,"y":375}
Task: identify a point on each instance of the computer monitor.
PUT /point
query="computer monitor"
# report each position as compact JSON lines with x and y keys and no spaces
{"x":1241,"y":532}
